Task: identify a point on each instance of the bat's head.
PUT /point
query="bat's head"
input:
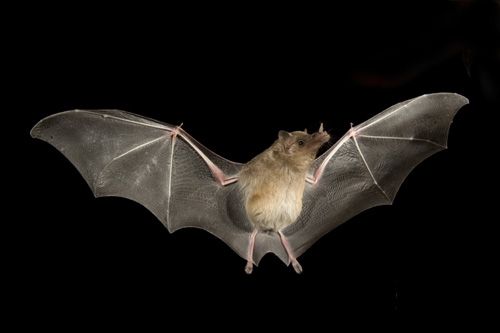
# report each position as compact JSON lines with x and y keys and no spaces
{"x":301,"y":144}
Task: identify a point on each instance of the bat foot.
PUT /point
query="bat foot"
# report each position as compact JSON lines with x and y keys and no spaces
{"x":297,"y":267}
{"x":249,"y":267}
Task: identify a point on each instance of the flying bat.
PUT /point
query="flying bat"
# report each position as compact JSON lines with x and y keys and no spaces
{"x":282,"y":201}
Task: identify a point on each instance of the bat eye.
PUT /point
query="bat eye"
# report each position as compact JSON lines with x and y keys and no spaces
{"x":300,"y":143}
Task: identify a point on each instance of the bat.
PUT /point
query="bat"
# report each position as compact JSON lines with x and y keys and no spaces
{"x":280,"y":202}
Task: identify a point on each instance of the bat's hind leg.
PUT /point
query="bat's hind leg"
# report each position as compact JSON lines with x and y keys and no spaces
{"x":249,"y":265}
{"x":295,"y":263}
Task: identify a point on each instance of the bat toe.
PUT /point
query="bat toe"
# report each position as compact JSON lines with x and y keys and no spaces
{"x":297,"y":267}
{"x":249,"y":267}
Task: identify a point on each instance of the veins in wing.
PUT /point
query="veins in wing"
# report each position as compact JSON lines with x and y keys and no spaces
{"x":353,"y":134}
{"x":214,"y":169}
{"x":402,"y":138}
{"x":172,"y":133}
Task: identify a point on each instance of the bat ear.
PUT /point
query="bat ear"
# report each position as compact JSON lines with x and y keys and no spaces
{"x":284,"y":135}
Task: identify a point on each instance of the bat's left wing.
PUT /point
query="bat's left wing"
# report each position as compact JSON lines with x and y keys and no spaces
{"x":155,"y":164}
{"x":366,"y":167}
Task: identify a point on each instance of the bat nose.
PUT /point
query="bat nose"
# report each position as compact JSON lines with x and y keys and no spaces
{"x":321,"y":136}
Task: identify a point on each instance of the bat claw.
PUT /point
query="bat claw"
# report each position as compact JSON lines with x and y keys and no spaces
{"x":297,"y":267}
{"x":249,"y":267}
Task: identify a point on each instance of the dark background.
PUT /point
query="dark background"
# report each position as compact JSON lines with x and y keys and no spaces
{"x":235,"y":76}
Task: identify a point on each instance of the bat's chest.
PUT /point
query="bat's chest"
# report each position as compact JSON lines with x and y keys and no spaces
{"x":273,"y":205}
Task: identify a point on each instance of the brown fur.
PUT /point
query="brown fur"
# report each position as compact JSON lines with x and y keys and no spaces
{"x":273,"y":182}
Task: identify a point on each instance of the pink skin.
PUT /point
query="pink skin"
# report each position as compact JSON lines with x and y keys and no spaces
{"x":216,"y":172}
{"x":249,"y":266}
{"x":319,"y":171}
{"x":295,"y":263}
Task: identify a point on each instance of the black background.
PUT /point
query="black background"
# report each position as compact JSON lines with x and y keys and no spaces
{"x":235,"y":76}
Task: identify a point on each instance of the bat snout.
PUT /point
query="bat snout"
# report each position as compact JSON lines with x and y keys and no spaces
{"x":321,"y":137}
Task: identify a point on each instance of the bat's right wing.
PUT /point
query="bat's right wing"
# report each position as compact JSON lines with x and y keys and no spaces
{"x":366,"y":167}
{"x":155,"y":164}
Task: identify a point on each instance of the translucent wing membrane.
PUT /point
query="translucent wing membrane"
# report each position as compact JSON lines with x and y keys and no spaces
{"x":186,"y":185}
{"x":366,"y":167}
{"x":155,"y":164}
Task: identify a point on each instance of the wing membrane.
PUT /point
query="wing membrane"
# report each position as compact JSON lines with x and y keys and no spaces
{"x":155,"y":164}
{"x":366,"y":167}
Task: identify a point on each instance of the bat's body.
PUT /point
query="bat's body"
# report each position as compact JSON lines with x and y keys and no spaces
{"x":282,"y":201}
{"x":273,"y":185}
